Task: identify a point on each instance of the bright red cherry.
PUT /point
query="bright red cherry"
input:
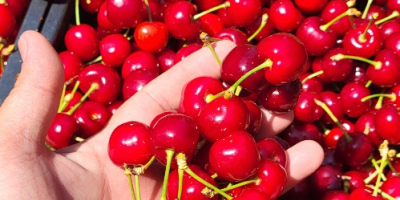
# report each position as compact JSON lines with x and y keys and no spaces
{"x":392,"y":43}
{"x":306,"y":110}
{"x":135,"y":82}
{"x":313,"y":84}
{"x":211,"y":24}
{"x":114,"y":49}
{"x":333,"y":9}
{"x":232,"y":34}
{"x":250,"y":193}
{"x":355,"y":179}
{"x":249,"y":11}
{"x":82,"y":39}
{"x":166,"y":59}
{"x":186,"y":51}
{"x":285,"y":16}
{"x":255,"y":115}
{"x":61,"y":130}
{"x":387,"y":73}
{"x":139,"y":60}
{"x":151,"y":36}
{"x":385,"y":120}
{"x":336,"y":70}
{"x":266,"y":31}
{"x":7,"y":21}
{"x":72,"y":65}
{"x":310,"y":7}
{"x":130,"y":144}
{"x":333,"y":101}
{"x":271,"y":149}
{"x":235,"y":157}
{"x":363,"y":193}
{"x":124,"y":13}
{"x":389,"y":27}
{"x":102,"y":19}
{"x":351,"y":99}
{"x":91,"y":117}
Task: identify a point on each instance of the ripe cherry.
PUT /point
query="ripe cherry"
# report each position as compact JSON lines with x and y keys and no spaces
{"x":82,"y":40}
{"x":135,"y":82}
{"x":281,"y":98}
{"x":114,"y":49}
{"x":385,"y":120}
{"x":130,"y":144}
{"x":306,"y":110}
{"x":285,"y":16}
{"x":139,"y":60}
{"x":211,"y":24}
{"x":250,"y":193}
{"x":354,"y":148}
{"x":7,"y":21}
{"x":324,"y":179}
{"x":299,"y":131}
{"x":166,"y":59}
{"x":124,"y":13}
{"x":61,"y":130}
{"x":232,"y":34}
{"x":186,"y":51}
{"x":267,"y":30}
{"x":387,"y":73}
{"x":249,"y":11}
{"x":333,"y":101}
{"x":336,"y":70}
{"x":72,"y":65}
{"x":151,"y":36}
{"x":333,"y":9}
{"x":310,"y":7}
{"x":91,"y":6}
{"x":309,"y":83}
{"x":388,"y":28}
{"x":271,"y":149}
{"x":366,"y":124}
{"x":255,"y":115}
{"x":351,"y":99}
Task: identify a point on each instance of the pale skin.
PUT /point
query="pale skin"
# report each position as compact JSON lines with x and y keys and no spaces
{"x":28,"y":170}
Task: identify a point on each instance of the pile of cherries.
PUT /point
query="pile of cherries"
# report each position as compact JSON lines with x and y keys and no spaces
{"x":334,"y":64}
{"x":12,"y":13}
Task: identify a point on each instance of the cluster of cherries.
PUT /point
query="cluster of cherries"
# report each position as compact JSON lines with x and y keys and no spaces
{"x":334,"y":64}
{"x":12,"y":13}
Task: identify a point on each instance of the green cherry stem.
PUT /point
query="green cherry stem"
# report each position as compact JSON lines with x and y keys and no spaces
{"x":170,"y":153}
{"x":264,"y":20}
{"x":224,"y":5}
{"x":182,"y":164}
{"x":364,"y":15}
{"x":389,"y":17}
{"x":349,"y":12}
{"x":77,"y":15}
{"x":392,"y":96}
{"x":128,"y":174}
{"x":315,"y":74}
{"x":69,"y":96}
{"x":243,"y":183}
{"x":333,"y":117}
{"x":98,"y":59}
{"x":148,"y":10}
{"x":206,"y":39}
{"x":351,"y":3}
{"x":369,"y":82}
{"x":62,"y":100}
{"x":362,"y":38}
{"x":138,"y":195}
{"x":377,"y":65}
{"x":93,"y":87}
{"x":180,"y":182}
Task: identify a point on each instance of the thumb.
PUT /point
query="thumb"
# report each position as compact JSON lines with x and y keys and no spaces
{"x":28,"y":111}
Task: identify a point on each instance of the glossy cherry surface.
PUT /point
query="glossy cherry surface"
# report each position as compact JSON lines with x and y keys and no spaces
{"x":61,"y":130}
{"x":211,"y":24}
{"x":124,"y":13}
{"x":388,"y":74}
{"x":91,"y":117}
{"x":139,"y":60}
{"x":351,"y":95}
{"x":386,"y":120}
{"x":232,"y":34}
{"x":306,"y":110}
{"x":82,"y":40}
{"x":7,"y":21}
{"x":151,"y":36}
{"x":271,"y":149}
{"x":255,"y":117}
{"x":249,"y":11}
{"x":324,"y":179}
{"x":285,"y":16}
{"x":336,"y":70}
{"x":135,"y":82}
{"x":333,"y":101}
{"x":333,"y":9}
{"x":356,"y":150}
{"x":114,"y":49}
{"x":250,"y":193}
{"x":281,"y":98}
{"x":310,"y":7}
{"x":72,"y":65}
{"x":366,"y":47}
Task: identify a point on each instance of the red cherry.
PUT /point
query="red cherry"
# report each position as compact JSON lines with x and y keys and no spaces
{"x":255,"y":116}
{"x":156,"y":10}
{"x":351,"y":96}
{"x":281,"y":98}
{"x":336,"y":70}
{"x":151,"y":36}
{"x":166,"y":59}
{"x":285,"y":16}
{"x":91,"y":117}
{"x":114,"y":49}
{"x":367,"y":46}
{"x":135,"y":82}
{"x":306,"y":110}
{"x":130,"y":144}
{"x":235,"y":157}
{"x":72,"y":65}
{"x":278,"y":47}
{"x":355,"y":149}
{"x":388,"y":28}
{"x":82,"y":40}
{"x":186,"y":51}
{"x":392,"y":43}
{"x":249,"y":11}
{"x":311,"y":84}
{"x":388,"y":73}
{"x":250,"y":193}
{"x":332,"y":137}
{"x":363,"y":193}
{"x":7,"y":21}
{"x":113,"y":107}
{"x":102,"y":18}
{"x":366,"y":124}
{"x":271,"y":149}
{"x":333,"y":101}
{"x":396,"y":91}
{"x":211,"y":24}
{"x":358,"y":74}
{"x":355,"y":179}
{"x":124,"y":13}
{"x":324,"y":179}
{"x":179,"y":20}
{"x":310,"y":7}
{"x":107,"y":80}
{"x":73,"y":99}
{"x":203,"y":5}
{"x":266,"y":31}
{"x":232,"y":34}
{"x":91,"y":6}
{"x":61,"y":130}
{"x":272,"y":178}
{"x":333,"y":9}
{"x":18,"y":8}
{"x":222,"y":116}
{"x":386,"y":119}
{"x":299,"y":131}
{"x":194,"y":95}
{"x":174,"y":131}
{"x":301,"y":190}
{"x":139,"y":60}
{"x":330,"y":159}
{"x":335,"y":195}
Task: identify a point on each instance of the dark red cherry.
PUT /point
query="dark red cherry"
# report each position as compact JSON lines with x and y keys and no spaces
{"x":301,"y":190}
{"x":310,"y":7}
{"x":333,"y":9}
{"x":336,"y":70}
{"x":174,"y":131}
{"x":151,"y":36}
{"x":238,"y":62}
{"x":72,"y":65}
{"x":300,"y":131}
{"x":135,"y":82}
{"x":124,"y":13}
{"x":107,"y":80}
{"x":194,"y":95}
{"x":166,"y":59}
{"x":255,"y":116}
{"x":386,"y":119}
{"x":250,"y":193}
{"x":18,"y":8}
{"x":317,"y":41}
{"x":82,"y":40}
{"x":281,"y":98}
{"x":232,"y":34}
{"x":139,"y":60}
{"x":324,"y":179}
{"x":157,"y":9}
{"x":366,"y":124}
{"x":249,"y":11}
{"x":335,"y":195}
{"x":191,"y":188}
{"x":387,"y":74}
{"x":285,"y":16}
{"x":130,"y":144}
{"x":114,"y":49}
{"x":351,"y":96}
{"x":355,"y":149}
{"x":91,"y":6}
{"x":358,"y":74}
{"x":91,"y":117}
{"x":222,"y":116}
{"x":271,"y":149}
{"x":278,"y":47}
{"x":61,"y":130}
{"x":306,"y":110}
{"x":235,"y":157}
{"x":7,"y":21}
{"x":272,"y":177}
{"x":366,"y":46}
{"x":178,"y":18}
{"x":331,"y":159}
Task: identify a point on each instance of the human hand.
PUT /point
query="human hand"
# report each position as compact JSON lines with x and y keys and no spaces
{"x":28,"y":170}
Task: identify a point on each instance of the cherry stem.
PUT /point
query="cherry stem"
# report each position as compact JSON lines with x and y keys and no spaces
{"x":369,"y":82}
{"x":224,"y":5}
{"x":180,"y":182}
{"x":128,"y":174}
{"x":69,"y":96}
{"x":238,"y":90}
{"x":138,"y":195}
{"x":349,"y":12}
{"x":392,"y":96}
{"x":351,"y":3}
{"x":62,"y":99}
{"x":362,"y":38}
{"x":370,"y":177}
{"x":49,"y":147}
{"x":77,"y":15}
{"x":264,"y":20}
{"x":377,"y":65}
{"x":315,"y":74}
{"x":386,"y":195}
{"x":182,"y":164}
{"x":78,"y":139}
{"x":364,"y":15}
{"x":211,"y":97}
{"x":147,"y":165}
{"x":170,"y":153}
{"x":214,"y":176}
{"x":378,"y":181}
{"x":148,"y":10}
{"x":333,"y":117}
{"x":1,"y":57}
{"x":205,"y":38}
{"x":389,"y":17}
{"x":98,"y":59}
{"x":3,"y":2}
{"x":231,"y":187}
{"x":93,"y":87}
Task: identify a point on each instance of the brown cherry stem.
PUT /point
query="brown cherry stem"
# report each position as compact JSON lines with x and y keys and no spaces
{"x":349,"y":12}
{"x":389,"y":17}
{"x":362,"y":38}
{"x":224,"y":5}
{"x":205,"y":38}
{"x":170,"y":153}
{"x":377,"y":65}
{"x":365,"y":13}
{"x":264,"y":20}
